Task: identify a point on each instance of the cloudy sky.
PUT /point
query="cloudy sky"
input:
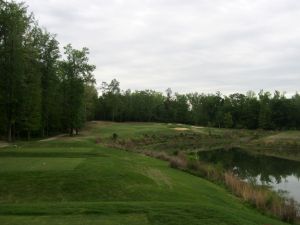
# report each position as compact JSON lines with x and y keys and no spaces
{"x":188,"y":45}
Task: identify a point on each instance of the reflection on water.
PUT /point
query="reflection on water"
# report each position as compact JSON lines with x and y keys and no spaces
{"x":280,"y":174}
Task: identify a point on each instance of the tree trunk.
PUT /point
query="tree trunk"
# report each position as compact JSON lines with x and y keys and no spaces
{"x":47,"y":129}
{"x":9,"y":134}
{"x":77,"y":131}
{"x":71,"y":132}
{"x":28,"y":135}
{"x":14,"y":132}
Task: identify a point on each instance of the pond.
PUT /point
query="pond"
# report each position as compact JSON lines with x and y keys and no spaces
{"x":281,"y":174}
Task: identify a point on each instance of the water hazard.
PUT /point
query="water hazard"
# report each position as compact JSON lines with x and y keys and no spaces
{"x":281,"y":174}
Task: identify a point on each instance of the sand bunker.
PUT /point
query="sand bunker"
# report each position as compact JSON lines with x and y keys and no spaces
{"x":181,"y":129}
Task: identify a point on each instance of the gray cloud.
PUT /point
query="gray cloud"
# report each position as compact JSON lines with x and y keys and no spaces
{"x":193,"y":45}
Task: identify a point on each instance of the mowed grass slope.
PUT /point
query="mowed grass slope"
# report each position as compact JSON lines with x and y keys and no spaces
{"x":77,"y":181}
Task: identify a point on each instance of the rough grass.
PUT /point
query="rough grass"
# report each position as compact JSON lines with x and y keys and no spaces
{"x":285,"y":135}
{"x":176,"y":137}
{"x":109,"y":186}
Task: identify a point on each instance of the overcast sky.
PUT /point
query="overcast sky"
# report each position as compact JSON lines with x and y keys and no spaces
{"x":188,"y":45}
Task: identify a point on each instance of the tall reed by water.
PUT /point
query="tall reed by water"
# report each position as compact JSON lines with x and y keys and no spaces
{"x":260,"y":197}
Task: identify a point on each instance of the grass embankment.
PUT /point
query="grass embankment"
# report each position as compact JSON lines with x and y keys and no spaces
{"x":187,"y":141}
{"x":80,"y":181}
{"x":178,"y":137}
{"x":284,"y":144}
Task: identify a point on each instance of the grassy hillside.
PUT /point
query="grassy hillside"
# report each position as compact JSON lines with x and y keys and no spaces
{"x":178,"y":137}
{"x":79,"y":181}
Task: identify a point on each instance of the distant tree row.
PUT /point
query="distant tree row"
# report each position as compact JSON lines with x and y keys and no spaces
{"x":40,"y":91}
{"x":251,"y":111}
{"x":43,"y":92}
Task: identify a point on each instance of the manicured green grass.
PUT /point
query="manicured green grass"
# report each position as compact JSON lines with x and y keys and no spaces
{"x":130,"y":219}
{"x":77,"y":181}
{"x":18,"y":164}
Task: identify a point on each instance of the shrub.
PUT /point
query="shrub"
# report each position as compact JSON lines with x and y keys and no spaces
{"x":114,"y":136}
{"x":193,"y":165}
{"x":159,"y":155}
{"x":178,"y":163}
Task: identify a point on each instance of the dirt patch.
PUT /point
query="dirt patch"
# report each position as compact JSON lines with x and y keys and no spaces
{"x":3,"y":144}
{"x":53,"y":138}
{"x":181,"y":129}
{"x":196,"y":127}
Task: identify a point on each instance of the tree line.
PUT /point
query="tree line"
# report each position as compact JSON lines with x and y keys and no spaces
{"x":42,"y":91}
{"x":251,"y":111}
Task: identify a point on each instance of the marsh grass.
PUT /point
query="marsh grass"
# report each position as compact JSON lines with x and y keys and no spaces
{"x":263,"y":198}
{"x":179,"y":161}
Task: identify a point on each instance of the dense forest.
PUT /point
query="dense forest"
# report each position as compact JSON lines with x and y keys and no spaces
{"x":251,"y":111}
{"x":44,"y":91}
{"x":41,"y":91}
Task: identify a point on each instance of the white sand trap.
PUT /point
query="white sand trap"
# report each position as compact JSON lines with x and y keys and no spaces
{"x":181,"y":129}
